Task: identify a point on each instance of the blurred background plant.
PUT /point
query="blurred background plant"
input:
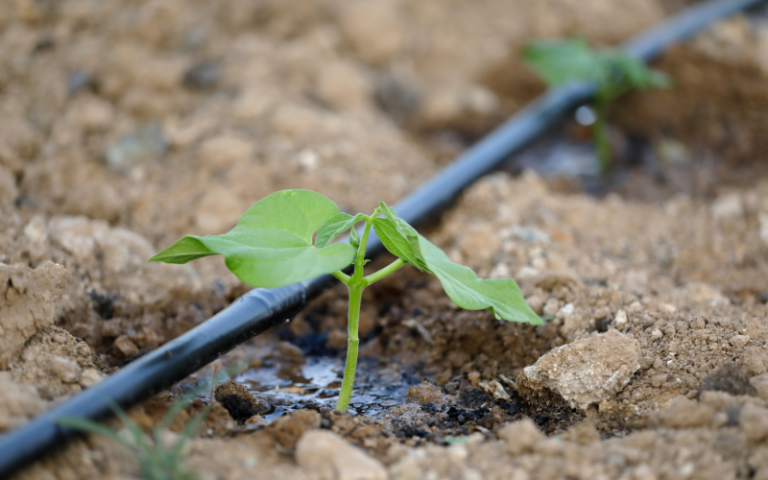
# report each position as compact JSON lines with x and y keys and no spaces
{"x":613,"y":71}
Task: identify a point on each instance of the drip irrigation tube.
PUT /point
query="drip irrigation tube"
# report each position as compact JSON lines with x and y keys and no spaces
{"x":261,"y":309}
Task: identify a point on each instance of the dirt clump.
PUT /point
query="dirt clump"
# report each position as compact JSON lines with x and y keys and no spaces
{"x":57,"y":364}
{"x":287,"y":430}
{"x":729,"y":378}
{"x":239,"y":402}
{"x":30,"y":303}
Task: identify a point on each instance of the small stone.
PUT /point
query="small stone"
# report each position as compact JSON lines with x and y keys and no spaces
{"x":125,"y":346}
{"x":289,"y":428}
{"x":520,"y":436}
{"x":90,"y":377}
{"x":587,"y":371}
{"x":309,"y":160}
{"x":329,"y":457}
{"x":621,"y":319}
{"x":551,"y":307}
{"x":754,"y":422}
{"x":656,"y":334}
{"x":66,"y":369}
{"x":739,"y":341}
{"x":495,"y":390}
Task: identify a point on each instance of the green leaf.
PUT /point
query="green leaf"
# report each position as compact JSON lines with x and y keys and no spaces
{"x":337,"y":224}
{"x":562,"y":61}
{"x":502,"y":296}
{"x":633,"y":72}
{"x":354,"y":238}
{"x":399,"y":237}
{"x":559,"y":62}
{"x":271,"y":245}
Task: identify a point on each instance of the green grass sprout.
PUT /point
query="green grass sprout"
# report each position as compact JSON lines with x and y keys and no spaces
{"x":613,"y":71}
{"x":271,"y":246}
{"x":156,"y":459}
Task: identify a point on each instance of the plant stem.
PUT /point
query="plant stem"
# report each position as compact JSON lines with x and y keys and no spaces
{"x":355,"y":297}
{"x":356,"y":284}
{"x":391,"y":268}
{"x":600,"y":134}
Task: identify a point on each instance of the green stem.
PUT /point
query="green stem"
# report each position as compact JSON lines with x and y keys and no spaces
{"x":391,"y":268}
{"x":600,"y":134}
{"x":344,"y":278}
{"x":356,"y":284}
{"x":355,"y":297}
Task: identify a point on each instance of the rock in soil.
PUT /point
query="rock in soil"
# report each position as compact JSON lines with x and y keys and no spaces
{"x":331,"y":458}
{"x":585,"y":372}
{"x":288,"y":429}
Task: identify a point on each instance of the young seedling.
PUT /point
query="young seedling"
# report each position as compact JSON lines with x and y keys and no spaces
{"x":613,"y":71}
{"x":271,"y":246}
{"x":156,"y":459}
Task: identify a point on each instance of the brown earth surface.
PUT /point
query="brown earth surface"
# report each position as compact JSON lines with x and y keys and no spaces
{"x":126,"y":124}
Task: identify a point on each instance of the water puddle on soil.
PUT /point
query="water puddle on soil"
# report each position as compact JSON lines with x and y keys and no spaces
{"x":315,"y":382}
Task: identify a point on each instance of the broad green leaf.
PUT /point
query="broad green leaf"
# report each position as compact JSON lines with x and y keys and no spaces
{"x":562,"y":61}
{"x":502,"y":296}
{"x":559,"y":62}
{"x":337,"y":224}
{"x":271,"y":245}
{"x":398,"y":236}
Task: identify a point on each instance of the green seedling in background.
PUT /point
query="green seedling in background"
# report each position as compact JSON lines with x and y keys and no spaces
{"x":613,"y":71}
{"x":156,"y":459}
{"x":271,"y":246}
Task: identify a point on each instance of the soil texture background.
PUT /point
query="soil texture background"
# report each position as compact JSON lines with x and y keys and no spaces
{"x":126,"y":124}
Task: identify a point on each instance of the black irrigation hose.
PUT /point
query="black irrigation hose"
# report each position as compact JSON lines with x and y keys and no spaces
{"x":262,"y":309}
